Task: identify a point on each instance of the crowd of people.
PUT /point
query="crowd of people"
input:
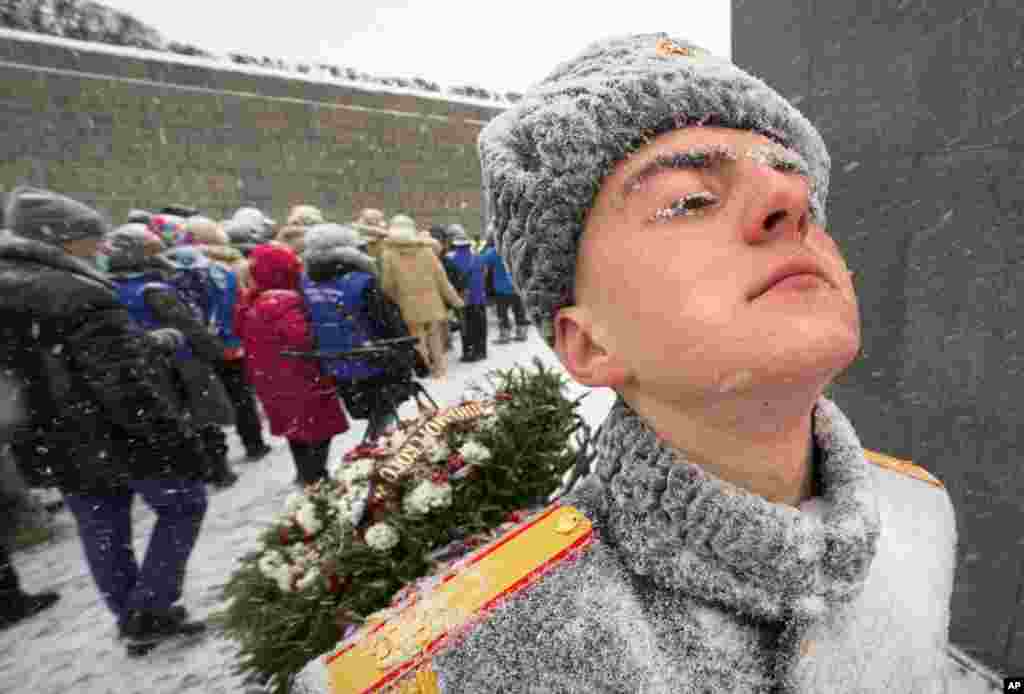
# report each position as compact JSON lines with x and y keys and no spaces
{"x":128,"y":351}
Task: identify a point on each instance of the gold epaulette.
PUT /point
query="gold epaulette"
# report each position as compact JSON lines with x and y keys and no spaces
{"x":903,"y":467}
{"x":394,"y":654}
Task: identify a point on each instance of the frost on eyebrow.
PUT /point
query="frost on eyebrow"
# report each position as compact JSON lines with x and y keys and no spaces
{"x":779,"y":158}
{"x":698,"y":157}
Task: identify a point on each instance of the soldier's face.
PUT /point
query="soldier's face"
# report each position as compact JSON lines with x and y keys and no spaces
{"x":679,"y":261}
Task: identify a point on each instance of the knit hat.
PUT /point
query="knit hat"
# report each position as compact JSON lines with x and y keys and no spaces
{"x":372,"y":223}
{"x":170,"y":228}
{"x":458,"y":236}
{"x":543,"y":159}
{"x":304,"y":216}
{"x":202,"y":230}
{"x":42,"y":215}
{"x":132,"y":248}
{"x":403,"y":227}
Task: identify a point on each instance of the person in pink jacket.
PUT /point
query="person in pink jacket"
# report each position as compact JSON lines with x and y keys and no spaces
{"x":301,"y":403}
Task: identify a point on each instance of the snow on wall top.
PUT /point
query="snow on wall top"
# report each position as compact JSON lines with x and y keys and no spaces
{"x":226,"y":65}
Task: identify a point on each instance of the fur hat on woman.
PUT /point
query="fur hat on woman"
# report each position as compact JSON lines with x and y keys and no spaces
{"x":42,"y":215}
{"x":330,"y":245}
{"x":252,"y":218}
{"x":543,"y":159}
{"x":132,"y":248}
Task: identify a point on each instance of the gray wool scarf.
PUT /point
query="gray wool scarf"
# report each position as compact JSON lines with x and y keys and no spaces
{"x":696,"y":534}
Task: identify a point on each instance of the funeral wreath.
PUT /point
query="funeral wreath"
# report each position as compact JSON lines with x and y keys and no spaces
{"x":396,"y":511}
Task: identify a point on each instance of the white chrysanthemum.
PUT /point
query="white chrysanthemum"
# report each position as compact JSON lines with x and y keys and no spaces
{"x":474,"y":452}
{"x":381,"y":537}
{"x":355,"y":472}
{"x":282,"y":575}
{"x":294,"y":501}
{"x":426,"y":497}
{"x":309,"y":578}
{"x":439,"y":451}
{"x":307,"y":519}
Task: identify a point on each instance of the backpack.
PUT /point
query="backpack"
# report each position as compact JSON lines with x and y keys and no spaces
{"x":195,"y":289}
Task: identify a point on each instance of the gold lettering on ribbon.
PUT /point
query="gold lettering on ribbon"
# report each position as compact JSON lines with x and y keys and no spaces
{"x":432,"y":428}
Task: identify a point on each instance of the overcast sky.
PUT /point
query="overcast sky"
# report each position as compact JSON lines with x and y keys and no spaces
{"x":503,"y":46}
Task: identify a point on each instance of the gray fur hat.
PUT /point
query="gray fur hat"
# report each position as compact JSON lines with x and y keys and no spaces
{"x":327,"y":244}
{"x":544,"y":159}
{"x":322,"y":237}
{"x":42,"y":215}
{"x":133,"y":248}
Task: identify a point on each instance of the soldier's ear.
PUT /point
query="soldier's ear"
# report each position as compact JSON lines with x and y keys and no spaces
{"x":585,"y":351}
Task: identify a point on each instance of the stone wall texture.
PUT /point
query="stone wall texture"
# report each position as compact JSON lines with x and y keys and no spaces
{"x":921,"y":103}
{"x":122,"y":132}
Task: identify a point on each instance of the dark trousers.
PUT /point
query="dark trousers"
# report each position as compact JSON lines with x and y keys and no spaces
{"x":105,"y":527}
{"x":504,"y":302}
{"x":474,"y":332}
{"x":310,"y":459}
{"x":10,"y":588}
{"x":247,"y":417}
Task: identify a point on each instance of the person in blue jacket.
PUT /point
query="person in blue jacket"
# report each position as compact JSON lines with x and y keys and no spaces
{"x":505,"y":296}
{"x":131,"y":255}
{"x":347,"y":308}
{"x":471,"y":268}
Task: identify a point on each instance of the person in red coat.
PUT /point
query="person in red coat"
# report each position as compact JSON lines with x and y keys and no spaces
{"x":301,"y":403}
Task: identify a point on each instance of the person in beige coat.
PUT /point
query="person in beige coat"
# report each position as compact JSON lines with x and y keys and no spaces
{"x":412,"y":276}
{"x":374,"y":227}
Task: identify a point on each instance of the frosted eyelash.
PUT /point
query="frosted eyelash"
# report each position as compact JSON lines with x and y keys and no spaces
{"x":680,"y":208}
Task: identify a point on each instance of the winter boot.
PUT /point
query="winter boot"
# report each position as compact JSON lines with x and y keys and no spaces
{"x":258,"y":453}
{"x":144,"y":630}
{"x":520,"y":333}
{"x":218,"y":473}
{"x":504,"y":336}
{"x":21,"y":606}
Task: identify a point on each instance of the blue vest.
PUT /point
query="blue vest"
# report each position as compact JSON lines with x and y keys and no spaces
{"x":472,"y":267}
{"x":130,"y":291}
{"x":337,"y":312}
{"x":222,"y":306}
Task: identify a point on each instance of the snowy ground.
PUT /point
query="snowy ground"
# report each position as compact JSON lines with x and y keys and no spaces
{"x":73,"y":647}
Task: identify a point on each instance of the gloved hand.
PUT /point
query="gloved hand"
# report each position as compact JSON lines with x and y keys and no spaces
{"x":167,"y":340}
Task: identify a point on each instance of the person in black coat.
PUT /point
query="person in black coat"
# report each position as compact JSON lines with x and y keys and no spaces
{"x":97,"y":427}
{"x":15,"y":505}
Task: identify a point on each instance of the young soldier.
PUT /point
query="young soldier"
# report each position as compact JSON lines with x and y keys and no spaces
{"x":663,"y":213}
